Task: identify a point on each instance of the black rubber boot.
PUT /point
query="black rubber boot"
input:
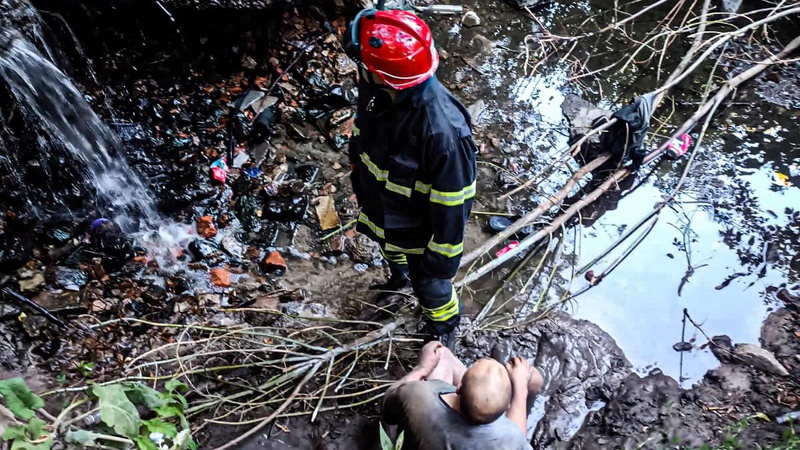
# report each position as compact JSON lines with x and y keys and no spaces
{"x":444,"y":332}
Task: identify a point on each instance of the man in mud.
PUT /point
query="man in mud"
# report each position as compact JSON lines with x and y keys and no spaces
{"x":441,"y":404}
{"x":413,"y":160}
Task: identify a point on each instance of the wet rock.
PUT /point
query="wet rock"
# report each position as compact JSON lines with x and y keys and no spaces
{"x":285,"y":209}
{"x":274,"y":263}
{"x":722,"y":348}
{"x":69,"y":278}
{"x":206,"y":251}
{"x":759,"y":358}
{"x":528,"y":3}
{"x":777,"y":334}
{"x":363,"y":249}
{"x":15,"y":250}
{"x":30,"y":281}
{"x":581,"y":114}
{"x":206,"y":227}
{"x":232,"y":246}
{"x":264,"y":125}
{"x":109,"y":239}
{"x":303,"y":239}
{"x":476,"y":110}
{"x":298,"y":309}
{"x":220,"y":277}
{"x":470,"y":19}
{"x":248,"y":211}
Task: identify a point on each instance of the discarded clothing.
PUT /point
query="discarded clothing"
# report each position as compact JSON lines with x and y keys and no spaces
{"x":625,"y":139}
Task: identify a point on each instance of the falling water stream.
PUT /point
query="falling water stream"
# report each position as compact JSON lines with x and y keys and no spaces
{"x":68,"y":129}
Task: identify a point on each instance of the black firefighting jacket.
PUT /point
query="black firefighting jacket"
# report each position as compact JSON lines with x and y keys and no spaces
{"x":414,"y":173}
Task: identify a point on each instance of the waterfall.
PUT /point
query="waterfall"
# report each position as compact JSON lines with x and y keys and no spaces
{"x":70,"y":139}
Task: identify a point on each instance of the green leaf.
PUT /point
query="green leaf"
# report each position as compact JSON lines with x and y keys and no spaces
{"x":400,"y":438}
{"x":24,"y":444}
{"x":117,"y":411}
{"x":159,"y":426}
{"x":184,"y":441}
{"x":168,"y":411}
{"x":36,"y":428}
{"x":14,"y":432}
{"x":81,"y":437}
{"x":143,"y":395}
{"x":19,"y":398}
{"x":386,"y":443}
{"x":174,"y":384}
{"x":144,"y":443}
{"x":181,"y":399}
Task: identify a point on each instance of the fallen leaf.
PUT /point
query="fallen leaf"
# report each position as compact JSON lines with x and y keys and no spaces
{"x":782,"y":180}
{"x":326,"y":212}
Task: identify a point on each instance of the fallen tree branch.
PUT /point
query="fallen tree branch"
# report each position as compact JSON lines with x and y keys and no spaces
{"x":555,"y":200}
{"x":553,"y":226}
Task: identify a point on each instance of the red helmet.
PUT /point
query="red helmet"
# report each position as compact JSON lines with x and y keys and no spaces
{"x":395,"y":45}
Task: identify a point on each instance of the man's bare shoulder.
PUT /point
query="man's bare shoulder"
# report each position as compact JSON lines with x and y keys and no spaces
{"x":422,"y":389}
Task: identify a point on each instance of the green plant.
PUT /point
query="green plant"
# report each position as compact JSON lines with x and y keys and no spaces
{"x":121,"y":422}
{"x":117,"y":404}
{"x":86,"y":368}
{"x":23,"y":429}
{"x":386,"y":441}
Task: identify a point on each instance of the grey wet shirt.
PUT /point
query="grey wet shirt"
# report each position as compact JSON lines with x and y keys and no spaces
{"x":429,"y":423}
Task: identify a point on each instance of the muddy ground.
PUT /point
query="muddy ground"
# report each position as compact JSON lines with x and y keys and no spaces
{"x":167,"y":84}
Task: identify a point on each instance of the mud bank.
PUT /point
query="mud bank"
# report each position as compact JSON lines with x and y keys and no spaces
{"x":653,"y":412}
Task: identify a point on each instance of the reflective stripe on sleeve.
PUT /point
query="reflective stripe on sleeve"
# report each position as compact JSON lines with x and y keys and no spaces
{"x":453,"y":198}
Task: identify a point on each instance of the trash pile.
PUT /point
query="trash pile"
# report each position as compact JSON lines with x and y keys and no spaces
{"x":250,"y":167}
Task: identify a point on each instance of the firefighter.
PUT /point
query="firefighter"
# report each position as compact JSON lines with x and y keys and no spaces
{"x":413,"y":160}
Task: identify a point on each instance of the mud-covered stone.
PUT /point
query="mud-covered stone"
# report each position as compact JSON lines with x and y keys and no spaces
{"x":759,"y":358}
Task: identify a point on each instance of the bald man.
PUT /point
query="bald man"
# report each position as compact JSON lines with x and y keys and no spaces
{"x":442,"y":405}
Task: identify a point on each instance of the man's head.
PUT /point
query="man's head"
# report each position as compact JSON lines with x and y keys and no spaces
{"x":394,"y":46}
{"x":485,"y":391}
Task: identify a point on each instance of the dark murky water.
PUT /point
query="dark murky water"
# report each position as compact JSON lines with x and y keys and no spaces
{"x":732,"y":217}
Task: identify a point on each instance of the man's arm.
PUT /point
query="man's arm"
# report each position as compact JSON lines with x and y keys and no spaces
{"x":519,"y":370}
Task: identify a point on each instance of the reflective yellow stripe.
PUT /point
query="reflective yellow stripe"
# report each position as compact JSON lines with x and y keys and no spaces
{"x":408,"y":251}
{"x":356,"y":130}
{"x":453,"y":198}
{"x":362,"y":218}
{"x":447,"y":250}
{"x":380,"y":175}
{"x":444,"y":312}
{"x":383,"y":176}
{"x":422,"y":187}
{"x":395,"y":258}
{"x":397,"y":189}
